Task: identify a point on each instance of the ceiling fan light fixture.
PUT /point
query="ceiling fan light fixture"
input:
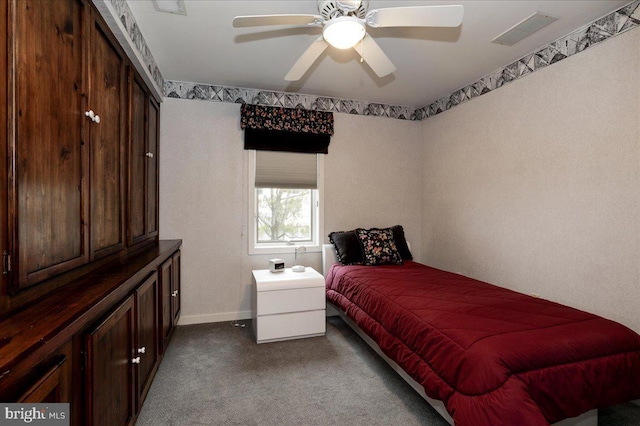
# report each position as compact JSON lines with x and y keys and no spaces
{"x":344,"y":32}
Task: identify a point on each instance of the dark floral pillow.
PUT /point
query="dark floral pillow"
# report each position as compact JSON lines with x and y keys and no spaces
{"x":378,"y":247}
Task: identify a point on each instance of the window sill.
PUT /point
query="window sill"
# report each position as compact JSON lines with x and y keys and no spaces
{"x":311,"y":248}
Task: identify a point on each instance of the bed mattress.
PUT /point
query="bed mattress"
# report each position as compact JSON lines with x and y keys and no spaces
{"x":493,"y":356}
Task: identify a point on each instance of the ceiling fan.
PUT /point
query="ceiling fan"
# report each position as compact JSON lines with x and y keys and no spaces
{"x":344,"y":25}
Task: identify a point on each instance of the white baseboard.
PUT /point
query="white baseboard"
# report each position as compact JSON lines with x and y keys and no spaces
{"x":208,"y":318}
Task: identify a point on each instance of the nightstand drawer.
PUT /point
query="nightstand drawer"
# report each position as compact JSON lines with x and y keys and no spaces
{"x":294,"y":300}
{"x":286,"y":326}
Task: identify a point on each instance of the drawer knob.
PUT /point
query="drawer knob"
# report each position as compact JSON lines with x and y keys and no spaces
{"x":136,"y":360}
{"x":174,"y":294}
{"x":149,"y":154}
{"x":142,"y":350}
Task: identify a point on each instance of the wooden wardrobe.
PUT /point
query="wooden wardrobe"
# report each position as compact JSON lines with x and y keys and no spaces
{"x":89,"y":294}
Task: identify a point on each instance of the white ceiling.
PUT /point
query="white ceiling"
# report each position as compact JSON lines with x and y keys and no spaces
{"x":203,"y":47}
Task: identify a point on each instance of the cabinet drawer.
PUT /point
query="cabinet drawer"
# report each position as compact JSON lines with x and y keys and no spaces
{"x":294,"y":300}
{"x":284,"y":326}
{"x":48,"y":387}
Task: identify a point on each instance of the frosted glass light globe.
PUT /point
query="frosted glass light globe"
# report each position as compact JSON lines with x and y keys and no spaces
{"x":343,"y":32}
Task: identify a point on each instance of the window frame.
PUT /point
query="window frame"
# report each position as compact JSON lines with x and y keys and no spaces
{"x":255,"y":248}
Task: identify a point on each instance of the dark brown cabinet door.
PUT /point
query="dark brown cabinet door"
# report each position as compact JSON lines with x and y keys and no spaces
{"x":166,"y":282}
{"x":48,"y":388}
{"x":110,"y":372}
{"x":144,"y":116}
{"x":169,"y":297}
{"x":47,"y":203}
{"x":4,"y":113}
{"x":175,"y":305}
{"x":147,"y":335}
{"x":137,"y":231}
{"x":106,"y":100}
{"x":152,"y":168}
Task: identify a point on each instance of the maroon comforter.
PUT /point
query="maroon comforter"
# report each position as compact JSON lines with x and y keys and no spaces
{"x":493,"y":356}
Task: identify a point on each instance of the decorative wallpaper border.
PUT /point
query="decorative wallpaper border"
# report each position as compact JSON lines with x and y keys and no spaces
{"x":622,"y":20}
{"x":126,"y":17}
{"x":206,"y":92}
{"x":618,"y":22}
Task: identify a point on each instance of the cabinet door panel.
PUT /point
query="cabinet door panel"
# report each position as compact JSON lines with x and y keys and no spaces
{"x":4,"y":147}
{"x":147,"y":326}
{"x":48,"y":198}
{"x":152,"y":170}
{"x":175,"y":304}
{"x":166,"y":283}
{"x":48,"y":387}
{"x":137,"y":162}
{"x":106,"y":99}
{"x":110,"y":371}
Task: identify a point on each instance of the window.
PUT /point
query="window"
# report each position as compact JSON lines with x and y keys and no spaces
{"x":284,"y":201}
{"x":284,"y":215}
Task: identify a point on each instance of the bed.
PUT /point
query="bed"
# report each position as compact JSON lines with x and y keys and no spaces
{"x":485,"y":355}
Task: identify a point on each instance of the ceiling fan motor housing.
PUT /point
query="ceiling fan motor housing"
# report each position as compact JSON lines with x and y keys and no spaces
{"x":334,"y":8}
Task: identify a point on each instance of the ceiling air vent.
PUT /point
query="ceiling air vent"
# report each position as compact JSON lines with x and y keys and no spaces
{"x":170,"y":6}
{"x":524,"y":29}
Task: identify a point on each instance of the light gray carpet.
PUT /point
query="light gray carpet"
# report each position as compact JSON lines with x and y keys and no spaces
{"x":214,"y":374}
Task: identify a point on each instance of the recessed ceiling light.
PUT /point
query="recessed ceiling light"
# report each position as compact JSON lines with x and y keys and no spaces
{"x":170,"y":6}
{"x":524,"y":29}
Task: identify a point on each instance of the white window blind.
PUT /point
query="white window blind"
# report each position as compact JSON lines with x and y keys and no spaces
{"x":286,"y":170}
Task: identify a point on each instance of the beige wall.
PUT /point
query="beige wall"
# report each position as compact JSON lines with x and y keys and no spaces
{"x":536,"y":186}
{"x":372,"y":175}
{"x":371,"y":179}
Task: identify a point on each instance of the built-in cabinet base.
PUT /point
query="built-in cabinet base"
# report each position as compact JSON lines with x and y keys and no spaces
{"x":95,"y":343}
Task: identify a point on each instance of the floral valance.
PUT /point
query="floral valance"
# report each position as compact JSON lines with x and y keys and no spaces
{"x":286,"y":119}
{"x":286,"y":129}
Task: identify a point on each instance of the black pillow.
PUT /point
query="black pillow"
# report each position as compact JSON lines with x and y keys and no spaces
{"x":401,"y":242}
{"x":348,"y":248}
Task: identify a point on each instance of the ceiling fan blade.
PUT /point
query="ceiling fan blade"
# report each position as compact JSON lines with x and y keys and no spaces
{"x":416,"y":16}
{"x":374,"y":56}
{"x":307,"y":59}
{"x":260,"y":20}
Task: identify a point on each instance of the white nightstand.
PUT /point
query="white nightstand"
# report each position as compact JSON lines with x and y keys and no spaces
{"x":288,"y":305}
